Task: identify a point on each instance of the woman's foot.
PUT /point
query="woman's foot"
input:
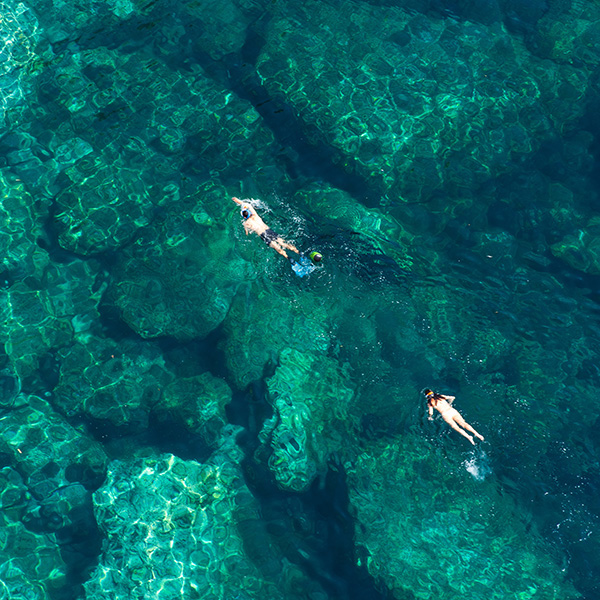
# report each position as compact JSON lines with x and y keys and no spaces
{"x":470,"y":438}
{"x":480,"y":437}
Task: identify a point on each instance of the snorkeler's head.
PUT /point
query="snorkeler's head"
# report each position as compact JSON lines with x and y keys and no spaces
{"x":315,"y":257}
{"x":246,"y":213}
{"x":428,"y":393}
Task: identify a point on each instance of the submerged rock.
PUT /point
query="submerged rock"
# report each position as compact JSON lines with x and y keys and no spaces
{"x":31,"y":566}
{"x":21,"y":224}
{"x":126,"y":385}
{"x":48,"y":452}
{"x":180,"y":276}
{"x":465,"y":538}
{"x":19,"y":56}
{"x":581,"y":249}
{"x":197,"y":404}
{"x":425,"y":110}
{"x":182,"y":529}
{"x":45,"y":496}
{"x":39,"y":320}
{"x":165,"y":124}
{"x":582,"y":42}
{"x":312,"y":400}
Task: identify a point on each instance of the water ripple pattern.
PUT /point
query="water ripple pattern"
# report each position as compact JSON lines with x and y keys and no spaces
{"x":182,"y":416}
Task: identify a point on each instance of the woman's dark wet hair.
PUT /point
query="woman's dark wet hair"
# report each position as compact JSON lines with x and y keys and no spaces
{"x":431,"y":395}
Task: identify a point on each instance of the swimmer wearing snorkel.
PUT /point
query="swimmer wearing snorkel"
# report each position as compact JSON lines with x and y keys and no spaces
{"x":254,"y":224}
{"x":442,"y":404}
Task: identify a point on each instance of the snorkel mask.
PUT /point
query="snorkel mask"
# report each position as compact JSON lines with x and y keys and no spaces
{"x":245,"y":212}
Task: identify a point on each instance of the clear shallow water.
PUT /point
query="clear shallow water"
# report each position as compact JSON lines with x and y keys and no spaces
{"x":183,"y":416}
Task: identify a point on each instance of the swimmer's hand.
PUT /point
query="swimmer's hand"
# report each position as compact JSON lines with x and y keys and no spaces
{"x":236,"y":200}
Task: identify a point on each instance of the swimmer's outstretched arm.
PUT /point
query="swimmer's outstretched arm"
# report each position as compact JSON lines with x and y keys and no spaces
{"x":450,"y":398}
{"x":430,"y":417}
{"x":245,"y":205}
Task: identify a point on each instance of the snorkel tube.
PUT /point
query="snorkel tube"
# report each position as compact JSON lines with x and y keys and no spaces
{"x":315,"y":257}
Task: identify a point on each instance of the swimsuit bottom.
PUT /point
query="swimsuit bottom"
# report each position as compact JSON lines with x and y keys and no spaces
{"x":268,"y":236}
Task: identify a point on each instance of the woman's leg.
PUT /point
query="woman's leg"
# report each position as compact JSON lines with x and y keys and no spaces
{"x":468,"y":427}
{"x":455,"y":426}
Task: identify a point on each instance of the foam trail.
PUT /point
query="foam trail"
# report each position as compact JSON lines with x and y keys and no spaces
{"x":478,"y":465}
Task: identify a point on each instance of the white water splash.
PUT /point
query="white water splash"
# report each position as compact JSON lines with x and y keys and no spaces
{"x":478,"y":465}
{"x":257,"y":204}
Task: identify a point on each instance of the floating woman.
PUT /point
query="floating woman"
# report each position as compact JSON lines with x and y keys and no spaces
{"x":442,"y":404}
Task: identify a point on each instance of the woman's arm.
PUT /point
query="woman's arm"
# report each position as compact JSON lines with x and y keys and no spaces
{"x":430,"y":417}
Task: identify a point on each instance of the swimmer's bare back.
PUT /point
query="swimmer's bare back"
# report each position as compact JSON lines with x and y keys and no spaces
{"x":442,"y":403}
{"x":254,"y":224}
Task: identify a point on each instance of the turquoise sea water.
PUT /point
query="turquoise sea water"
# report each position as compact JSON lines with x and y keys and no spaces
{"x":183,"y":417}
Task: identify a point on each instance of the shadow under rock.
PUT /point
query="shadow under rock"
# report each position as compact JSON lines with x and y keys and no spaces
{"x":314,"y":529}
{"x":79,"y":541}
{"x":314,"y":159}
